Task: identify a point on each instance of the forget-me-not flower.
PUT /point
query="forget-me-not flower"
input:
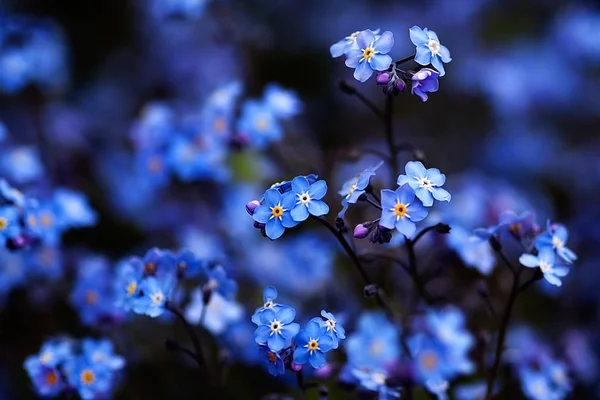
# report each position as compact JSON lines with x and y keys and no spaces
{"x":346,"y":44}
{"x":375,"y":381}
{"x":400,"y":210}
{"x":275,"y":212}
{"x":269,"y":296}
{"x":276,"y":329}
{"x":545,"y":260}
{"x":556,"y":238}
{"x":313,"y":342}
{"x":156,"y":294}
{"x":308,"y":199}
{"x":425,"y":81}
{"x":425,"y":182}
{"x":284,"y":103}
{"x":429,"y":48}
{"x":273,"y":361}
{"x":371,"y":54}
{"x":332,"y":326}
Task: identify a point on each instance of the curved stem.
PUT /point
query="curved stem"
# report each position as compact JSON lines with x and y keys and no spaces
{"x":414,"y":273}
{"x":405,"y":59}
{"x":389,"y":134}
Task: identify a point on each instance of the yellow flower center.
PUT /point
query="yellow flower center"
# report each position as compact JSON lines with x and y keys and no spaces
{"x":155,"y":164}
{"x":400,"y":210}
{"x":272,"y":357}
{"x":313,"y":345}
{"x":150,"y":268}
{"x":515,"y":228}
{"x":46,"y":219}
{"x":262,"y":124}
{"x":31,"y":220}
{"x":368,"y":53}
{"x":131,"y":288}
{"x":87,"y":376}
{"x":51,"y":378}
{"x":429,"y":360}
{"x":352,"y":189}
{"x":3,"y":223}
{"x":219,"y":125}
{"x":91,"y":297}
{"x":376,"y":348}
{"x":277,"y":211}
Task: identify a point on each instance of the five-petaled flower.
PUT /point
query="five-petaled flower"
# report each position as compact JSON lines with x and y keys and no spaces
{"x":546,"y":261}
{"x":425,"y":182}
{"x":429,"y":49}
{"x":276,"y":329}
{"x":269,"y":296}
{"x":273,"y":360}
{"x":556,"y":238}
{"x":313,"y":342}
{"x":156,"y":293}
{"x":275,"y":212}
{"x":371,"y":54}
{"x":425,"y":81}
{"x":331,"y":325}
{"x":308,"y":199}
{"x":400,"y":210}
{"x":346,"y":44}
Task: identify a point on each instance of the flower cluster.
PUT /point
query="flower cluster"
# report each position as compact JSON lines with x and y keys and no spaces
{"x":400,"y":208}
{"x":286,"y":204}
{"x":283,"y":345}
{"x":367,"y":51}
{"x":63,"y":366}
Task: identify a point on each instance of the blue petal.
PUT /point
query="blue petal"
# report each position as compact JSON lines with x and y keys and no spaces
{"x":566,"y":254}
{"x":385,"y":42}
{"x":272,"y":197}
{"x":274,"y":229}
{"x":301,"y":339}
{"x":547,"y":255}
{"x":300,"y":185}
{"x":445,"y":54}
{"x":261,"y":334}
{"x":269,"y":293}
{"x":404,"y":179}
{"x":290,"y":330}
{"x":341,"y":332}
{"x":262,"y":214}
{"x":286,"y":315}
{"x":267,"y":316}
{"x":318,"y":208}
{"x":301,"y":355}
{"x":553,"y":280}
{"x":327,"y":315}
{"x":436,"y":177}
{"x":326,"y":343}
{"x":364,"y":39}
{"x":363,"y":71}
{"x":380,"y":62}
{"x":388,"y":219}
{"x":529,"y":260}
{"x":405,"y":195}
{"x":560,"y":270}
{"x":415,"y":169}
{"x":417,"y":211}
{"x":431,"y":35}
{"x":288,"y":221}
{"x":417,"y":36}
{"x":441,"y":194}
{"x":406,"y":227}
{"x":561,"y":233}
{"x":388,"y":199}
{"x":318,"y":190}
{"x":313,"y":329}
{"x":436,"y":61}
{"x":423,"y":55}
{"x":353,"y":57}
{"x":337,"y":49}
{"x":299,"y":213}
{"x":288,"y":200}
{"x":276,"y":342}
{"x":425,"y":196}
{"x":317,"y":359}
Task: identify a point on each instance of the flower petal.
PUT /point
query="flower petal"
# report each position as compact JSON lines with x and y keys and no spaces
{"x":385,"y":42}
{"x":406,"y":227}
{"x":418,"y":36}
{"x":417,"y":211}
{"x":363,"y":71}
{"x":436,"y":61}
{"x":353,"y":57}
{"x":286,"y":315}
{"x":299,"y":213}
{"x":388,"y":219}
{"x":274,"y":229}
{"x":415,"y":169}
{"x":290,"y":330}
{"x":405,"y":195}
{"x":364,"y":39}
{"x":272,"y":197}
{"x":553,"y":280}
{"x":318,"y":208}
{"x":441,"y":194}
{"x":445,"y":54}
{"x":262,"y":214}
{"x":380,"y":62}
{"x":338,"y":49}
{"x":301,"y":355}
{"x":300,"y":185}
{"x":529,"y":260}
{"x":318,"y":190}
{"x":317,"y":359}
{"x":276,"y":342}
{"x":423,"y":55}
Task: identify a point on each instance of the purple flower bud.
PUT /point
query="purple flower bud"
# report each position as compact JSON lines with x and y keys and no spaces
{"x":400,"y":85}
{"x":251,"y":206}
{"x":296,"y":367}
{"x":259,"y":225}
{"x":383,"y":78}
{"x":423,"y":81}
{"x":360,"y":232}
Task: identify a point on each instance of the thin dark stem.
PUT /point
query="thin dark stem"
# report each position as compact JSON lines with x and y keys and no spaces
{"x":414,"y":273}
{"x":387,"y":257}
{"x":512,"y":297}
{"x":300,"y":380}
{"x":389,"y":134}
{"x":370,"y":105}
{"x":193,"y":336}
{"x":176,"y":346}
{"x":423,"y":232}
{"x":372,"y":202}
{"x":405,"y":59}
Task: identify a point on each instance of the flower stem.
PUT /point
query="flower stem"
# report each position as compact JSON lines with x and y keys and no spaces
{"x":405,"y":59}
{"x":389,"y":134}
{"x":414,"y":272}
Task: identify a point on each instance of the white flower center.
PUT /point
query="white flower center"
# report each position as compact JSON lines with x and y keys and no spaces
{"x":275,"y":326}
{"x":157,"y":298}
{"x":545,"y":267}
{"x":330,"y":325}
{"x":434,"y":46}
{"x":557,"y":243}
{"x":304,"y":198}
{"x":379,"y":378}
{"x":425,"y":183}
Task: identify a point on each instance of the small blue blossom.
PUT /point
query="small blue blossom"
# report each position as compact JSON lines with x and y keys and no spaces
{"x":284,"y":103}
{"x":258,"y":124}
{"x":47,"y":381}
{"x":332,"y":327}
{"x":425,"y":81}
{"x":439,"y":387}
{"x":374,"y":343}
{"x":220,"y":312}
{"x":73,"y":208}
{"x":517,"y":225}
{"x":218,"y":282}
{"x":375,"y":381}
{"x":429,"y":48}
{"x":429,"y":357}
{"x":308,"y":199}
{"x":155,"y":295}
{"x":11,"y":195}
{"x":355,"y":187}
{"x":269,"y":295}
{"x":400,"y":210}
{"x":275,"y":212}
{"x":286,"y":186}
{"x":273,"y":361}
{"x":472,"y":391}
{"x":425,"y":182}
{"x":545,"y":260}
{"x":101,"y":353}
{"x":126,"y":286}
{"x":346,"y":44}
{"x":22,"y":164}
{"x":9,"y":224}
{"x":556,"y":238}
{"x":371,"y":54}
{"x":91,"y":380}
{"x":276,"y":329}
{"x":313,"y":342}
{"x":536,"y":385}
{"x":92,"y":295}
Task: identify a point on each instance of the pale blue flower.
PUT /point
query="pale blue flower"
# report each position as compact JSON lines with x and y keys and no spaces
{"x":371,"y":54}
{"x":429,"y":48}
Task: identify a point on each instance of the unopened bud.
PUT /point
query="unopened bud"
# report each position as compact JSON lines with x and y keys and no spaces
{"x":370,"y":290}
{"x":251,"y":206}
{"x":442,"y":228}
{"x":400,"y":85}
{"x":383,"y":78}
{"x":296,"y":367}
{"x":360,"y":232}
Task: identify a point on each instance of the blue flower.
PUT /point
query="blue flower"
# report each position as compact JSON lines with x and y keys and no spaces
{"x":425,"y":81}
{"x":371,"y":54}
{"x":126,"y":286}
{"x":355,"y":187}
{"x":276,"y":329}
{"x":471,"y":391}
{"x":556,"y":238}
{"x":346,"y":44}
{"x":9,"y":224}
{"x":47,"y":381}
{"x":375,"y":380}
{"x":92,"y":296}
{"x":430,"y":358}
{"x":400,"y":210}
{"x":189,"y":266}
{"x":284,"y":103}
{"x":331,"y":325}
{"x":11,"y":195}
{"x":308,"y":199}
{"x":22,"y":164}
{"x":425,"y":182}
{"x":273,"y":361}
{"x":258,"y":124}
{"x":473,"y":251}
{"x":73,"y":208}
{"x":439,"y":387}
{"x":509,"y":222}
{"x":218,"y":282}
{"x":275,"y":212}
{"x":220,"y":313}
{"x":545,"y":260}
{"x":91,"y":380}
{"x":375,"y":342}
{"x":101,"y":353}
{"x":269,"y":295}
{"x":536,"y":385}
{"x":429,"y":48}
{"x":155,"y":295}
{"x":313,"y":342}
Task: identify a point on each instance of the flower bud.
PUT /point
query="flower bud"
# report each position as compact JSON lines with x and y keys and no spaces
{"x":370,"y":290}
{"x":400,"y":85}
{"x":360,"y":232}
{"x":296,"y":367}
{"x":442,"y":228}
{"x":251,"y":206}
{"x":383,"y":78}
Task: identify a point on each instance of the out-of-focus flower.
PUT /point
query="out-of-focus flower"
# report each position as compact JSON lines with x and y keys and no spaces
{"x":400,"y":210}
{"x":545,"y":260}
{"x":284,"y":103}
{"x":371,"y":54}
{"x":374,"y":343}
{"x":258,"y":124}
{"x":219,"y":313}
{"x":555,"y":238}
{"x":375,"y":381}
{"x":429,"y":49}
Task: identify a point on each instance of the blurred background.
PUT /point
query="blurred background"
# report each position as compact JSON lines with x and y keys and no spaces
{"x":100,"y":97}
